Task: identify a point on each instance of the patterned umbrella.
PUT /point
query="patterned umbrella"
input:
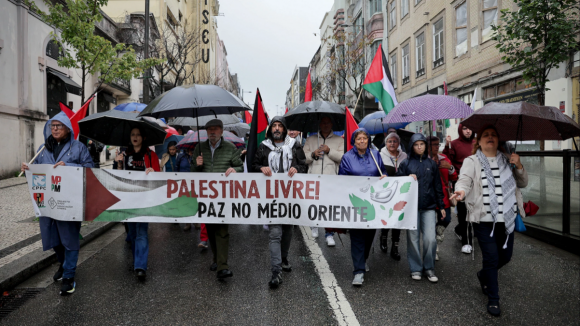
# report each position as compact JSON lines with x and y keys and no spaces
{"x":375,"y":123}
{"x":524,"y":121}
{"x":191,"y":139}
{"x":429,"y":107}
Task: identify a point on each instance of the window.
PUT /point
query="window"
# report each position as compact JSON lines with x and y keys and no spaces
{"x":374,"y":49}
{"x":53,"y":50}
{"x":461,"y":30}
{"x":393,"y":15}
{"x":489,"y":19}
{"x":394,"y":69}
{"x":504,"y":88}
{"x":375,"y":6}
{"x":417,"y":2}
{"x":357,"y":25}
{"x":420,"y":54}
{"x":521,"y":84}
{"x":405,"y":56}
{"x":438,"y":43}
{"x":466,"y":98}
{"x":489,"y":92}
{"x":171,"y":19}
{"x":404,"y":8}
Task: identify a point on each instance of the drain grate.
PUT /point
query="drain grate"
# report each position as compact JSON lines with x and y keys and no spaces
{"x":12,"y":300}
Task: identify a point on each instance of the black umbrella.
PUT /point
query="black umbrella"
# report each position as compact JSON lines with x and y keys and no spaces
{"x":227,"y":119}
{"x":114,"y":128}
{"x":306,"y":116}
{"x":194,"y":101}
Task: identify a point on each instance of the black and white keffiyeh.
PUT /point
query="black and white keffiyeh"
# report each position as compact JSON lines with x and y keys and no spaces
{"x":508,"y":188}
{"x":284,"y":151}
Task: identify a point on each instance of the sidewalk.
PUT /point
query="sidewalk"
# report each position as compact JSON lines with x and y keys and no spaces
{"x":21,"y":252}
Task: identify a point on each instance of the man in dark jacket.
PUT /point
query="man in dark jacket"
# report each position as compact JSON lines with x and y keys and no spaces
{"x":95,"y":149}
{"x":279,"y":153}
{"x":217,"y":155}
{"x":425,"y":171}
{"x":457,"y":151}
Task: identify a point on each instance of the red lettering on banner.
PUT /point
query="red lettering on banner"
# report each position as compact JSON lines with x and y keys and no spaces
{"x":286,"y":190}
{"x":268,"y":192}
{"x":317,"y":194}
{"x":171,"y":187}
{"x":239,"y":189}
{"x":309,"y":189}
{"x":193,"y":193}
{"x":202,"y":188}
{"x":276,"y":191}
{"x":56,"y":179}
{"x":232,"y":189}
{"x":224,"y":183}
{"x":298,"y":186}
{"x":212,"y":183}
{"x":254,"y":190}
{"x":183,"y":191}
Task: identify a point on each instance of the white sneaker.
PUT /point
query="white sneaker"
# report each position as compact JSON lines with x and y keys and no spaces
{"x":367,"y":269}
{"x":416,"y":276}
{"x":330,"y":241}
{"x":358,"y":279}
{"x":466,"y":249}
{"x":431,"y":276}
{"x":436,"y":256}
{"x":314,"y":232}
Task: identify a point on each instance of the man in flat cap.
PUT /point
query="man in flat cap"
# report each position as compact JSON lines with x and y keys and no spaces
{"x":216,"y":155}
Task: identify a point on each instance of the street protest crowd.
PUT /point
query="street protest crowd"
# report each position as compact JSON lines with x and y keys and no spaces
{"x":475,"y":173}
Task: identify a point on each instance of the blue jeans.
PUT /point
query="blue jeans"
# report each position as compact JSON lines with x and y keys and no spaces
{"x":280,"y":240}
{"x":68,"y":259}
{"x":361,"y":241}
{"x":494,"y":256}
{"x":139,"y":244}
{"x":426,"y":221}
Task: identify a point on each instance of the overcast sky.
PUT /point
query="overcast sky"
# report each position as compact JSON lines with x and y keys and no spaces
{"x":266,"y":39}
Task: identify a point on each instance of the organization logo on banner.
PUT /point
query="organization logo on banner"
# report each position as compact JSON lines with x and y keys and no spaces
{"x":39,"y":198}
{"x":52,"y":203}
{"x":39,"y":181}
{"x":55,"y":183}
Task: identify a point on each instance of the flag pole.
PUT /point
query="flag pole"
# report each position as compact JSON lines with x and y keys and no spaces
{"x":34,"y":158}
{"x":359,"y":94}
{"x":377,"y":164}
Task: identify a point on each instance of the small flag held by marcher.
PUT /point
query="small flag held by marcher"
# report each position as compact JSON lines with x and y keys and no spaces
{"x":308,"y":91}
{"x":351,"y":126}
{"x":379,"y":82}
{"x":257,"y":130}
{"x":75,"y":117}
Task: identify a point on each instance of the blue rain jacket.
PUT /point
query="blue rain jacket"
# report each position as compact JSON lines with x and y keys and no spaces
{"x":353,"y":163}
{"x":183,"y":164}
{"x":74,"y":153}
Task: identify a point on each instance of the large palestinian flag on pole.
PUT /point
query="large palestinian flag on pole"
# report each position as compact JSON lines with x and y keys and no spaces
{"x":257,"y":130}
{"x":379,"y":82}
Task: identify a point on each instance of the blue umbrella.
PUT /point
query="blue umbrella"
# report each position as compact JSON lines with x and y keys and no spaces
{"x":162,"y":149}
{"x":130,"y":107}
{"x":375,"y":123}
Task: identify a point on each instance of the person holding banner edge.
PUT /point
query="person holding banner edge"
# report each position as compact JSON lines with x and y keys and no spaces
{"x":279,"y":153}
{"x":138,"y":157}
{"x":217,"y":155}
{"x":361,"y":160}
{"x":61,"y":149}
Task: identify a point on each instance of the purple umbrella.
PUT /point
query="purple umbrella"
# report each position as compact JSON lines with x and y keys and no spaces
{"x":429,"y":107}
{"x":191,"y":139}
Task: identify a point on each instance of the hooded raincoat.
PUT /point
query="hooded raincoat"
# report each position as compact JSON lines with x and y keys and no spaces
{"x":73,"y":153}
{"x":353,"y":163}
{"x":460,"y":149}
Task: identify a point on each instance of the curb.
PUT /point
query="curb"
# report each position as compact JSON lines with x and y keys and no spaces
{"x":24,"y":267}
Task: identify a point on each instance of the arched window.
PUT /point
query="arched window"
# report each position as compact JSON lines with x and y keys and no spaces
{"x":53,"y":50}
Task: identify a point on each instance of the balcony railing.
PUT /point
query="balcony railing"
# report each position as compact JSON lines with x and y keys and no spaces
{"x":420,"y":72}
{"x":406,"y":80}
{"x":123,"y":83}
{"x":438,"y":62}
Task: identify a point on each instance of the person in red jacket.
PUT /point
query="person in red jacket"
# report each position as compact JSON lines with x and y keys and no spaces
{"x":138,"y":158}
{"x":457,"y":151}
{"x":448,"y":173}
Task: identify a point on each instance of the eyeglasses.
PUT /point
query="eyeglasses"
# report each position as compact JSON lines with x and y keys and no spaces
{"x":57,"y":127}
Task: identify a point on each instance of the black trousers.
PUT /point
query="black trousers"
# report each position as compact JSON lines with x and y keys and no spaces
{"x":395,"y":237}
{"x":463,"y":228}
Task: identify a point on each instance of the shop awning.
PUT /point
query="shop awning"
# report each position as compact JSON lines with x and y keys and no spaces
{"x":70,"y":85}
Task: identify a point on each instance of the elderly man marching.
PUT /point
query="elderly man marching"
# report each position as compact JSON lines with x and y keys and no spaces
{"x":61,"y":149}
{"x":279,"y":153}
{"x":323,"y":154}
{"x":218,"y":156}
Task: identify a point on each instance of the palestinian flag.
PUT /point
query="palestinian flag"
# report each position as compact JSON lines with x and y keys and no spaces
{"x":379,"y":82}
{"x":75,"y":117}
{"x":257,"y":130}
{"x":308,"y":91}
{"x":351,"y":126}
{"x":248,"y":117}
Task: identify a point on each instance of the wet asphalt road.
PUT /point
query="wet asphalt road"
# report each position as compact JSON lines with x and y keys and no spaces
{"x":539,"y":287}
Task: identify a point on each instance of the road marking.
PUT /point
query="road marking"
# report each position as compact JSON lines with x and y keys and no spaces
{"x":339,"y":304}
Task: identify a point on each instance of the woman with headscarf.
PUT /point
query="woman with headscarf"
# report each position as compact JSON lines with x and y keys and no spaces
{"x":361,"y":160}
{"x":392,"y":156}
{"x":138,"y":157}
{"x":489,"y":184}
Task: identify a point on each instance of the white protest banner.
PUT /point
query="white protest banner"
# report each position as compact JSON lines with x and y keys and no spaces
{"x":241,"y":198}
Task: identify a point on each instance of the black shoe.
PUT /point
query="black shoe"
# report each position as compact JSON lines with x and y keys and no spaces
{"x":276,"y":280}
{"x":58,"y":275}
{"x":224,"y":273}
{"x":384,"y":243}
{"x":213,"y":267}
{"x":395,"y":251}
{"x":493,"y":308}
{"x":141,"y":274}
{"x":483,"y":286}
{"x":286,"y":265}
{"x":68,"y":286}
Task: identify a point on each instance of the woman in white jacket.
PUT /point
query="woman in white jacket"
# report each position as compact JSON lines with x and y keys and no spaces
{"x":392,"y":157}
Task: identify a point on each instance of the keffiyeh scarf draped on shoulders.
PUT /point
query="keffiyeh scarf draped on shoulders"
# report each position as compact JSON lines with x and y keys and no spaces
{"x":284,"y":151}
